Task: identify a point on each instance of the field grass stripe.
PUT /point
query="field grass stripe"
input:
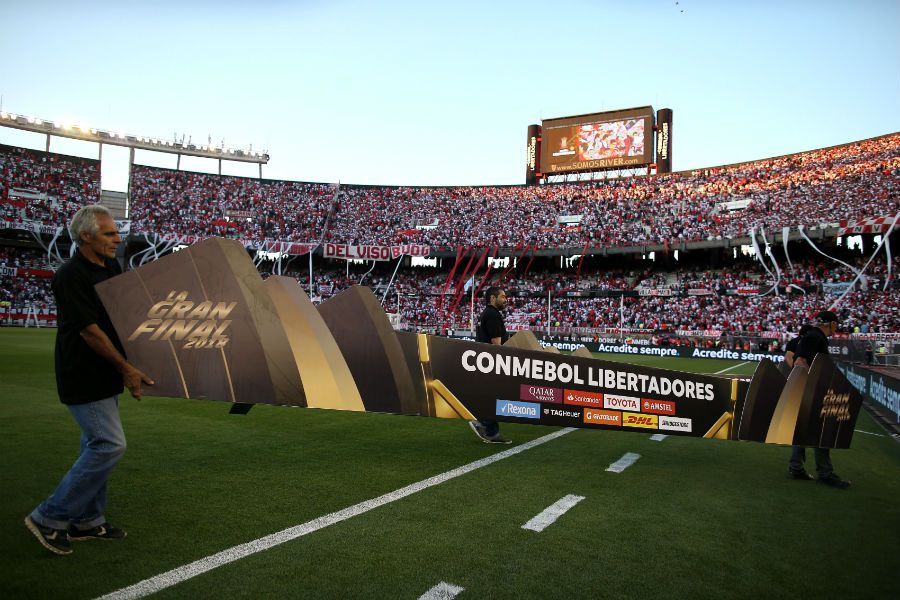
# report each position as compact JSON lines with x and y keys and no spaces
{"x":731,"y":367}
{"x":628,"y":459}
{"x":188,"y":571}
{"x":868,"y":433}
{"x":442,"y":591}
{"x":549,"y":515}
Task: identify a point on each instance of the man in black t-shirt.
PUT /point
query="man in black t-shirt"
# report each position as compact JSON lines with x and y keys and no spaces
{"x":91,"y":370}
{"x":790,"y":350}
{"x":815,"y":341}
{"x":491,"y":330}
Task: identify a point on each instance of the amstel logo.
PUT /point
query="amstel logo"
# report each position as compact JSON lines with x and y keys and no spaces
{"x":639,"y":420}
{"x":660,"y":407}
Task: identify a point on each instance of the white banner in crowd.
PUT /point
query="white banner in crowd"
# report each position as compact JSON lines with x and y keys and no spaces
{"x":292,"y":248}
{"x":374,"y":252}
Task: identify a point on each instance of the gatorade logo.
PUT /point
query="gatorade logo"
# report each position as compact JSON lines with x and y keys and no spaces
{"x":602,"y":417}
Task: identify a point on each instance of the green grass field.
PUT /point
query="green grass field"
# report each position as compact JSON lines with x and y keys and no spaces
{"x":691,"y":518}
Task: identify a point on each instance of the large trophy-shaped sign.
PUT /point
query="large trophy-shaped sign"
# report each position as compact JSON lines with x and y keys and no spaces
{"x":203,"y":324}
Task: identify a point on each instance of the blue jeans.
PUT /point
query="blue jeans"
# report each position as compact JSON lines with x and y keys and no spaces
{"x":824,"y":469}
{"x":80,"y":498}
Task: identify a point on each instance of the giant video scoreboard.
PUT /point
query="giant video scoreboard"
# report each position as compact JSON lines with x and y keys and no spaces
{"x":601,"y":141}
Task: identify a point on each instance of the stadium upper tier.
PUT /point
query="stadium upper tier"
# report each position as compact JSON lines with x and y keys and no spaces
{"x":823,"y":186}
{"x":853,"y":181}
{"x":43,"y":187}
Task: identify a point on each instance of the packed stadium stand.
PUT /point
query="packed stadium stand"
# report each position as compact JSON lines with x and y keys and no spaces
{"x":811,"y":188}
{"x":715,"y":291}
{"x":45,"y":188}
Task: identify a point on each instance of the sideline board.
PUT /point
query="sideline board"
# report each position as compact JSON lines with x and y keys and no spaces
{"x":203,"y":324}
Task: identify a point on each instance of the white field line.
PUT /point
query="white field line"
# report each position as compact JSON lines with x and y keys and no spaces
{"x":658,"y":437}
{"x":868,"y":433}
{"x":549,"y":515}
{"x":190,"y":570}
{"x":730,"y":368}
{"x":628,"y":459}
{"x":442,"y":591}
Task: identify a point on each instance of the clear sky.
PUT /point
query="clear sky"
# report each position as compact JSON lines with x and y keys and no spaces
{"x":441,"y":93}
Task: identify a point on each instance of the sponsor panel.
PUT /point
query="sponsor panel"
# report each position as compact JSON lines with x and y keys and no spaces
{"x":660,"y":407}
{"x":539,"y":393}
{"x":580,"y":398}
{"x":675,"y":424}
{"x":639,"y":420}
{"x":602,"y":417}
{"x":562,"y":412}
{"x":621,"y":402}
{"x":521,"y":410}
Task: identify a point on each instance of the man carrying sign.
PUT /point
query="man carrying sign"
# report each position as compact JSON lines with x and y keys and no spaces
{"x":90,"y":372}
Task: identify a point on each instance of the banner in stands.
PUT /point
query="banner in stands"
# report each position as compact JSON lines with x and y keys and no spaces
{"x":203,"y":324}
{"x":374,"y":252}
{"x":291,"y":248}
{"x":617,"y":347}
{"x":124,"y":226}
{"x":33,"y":226}
{"x":7,"y":271}
{"x":870,"y":225}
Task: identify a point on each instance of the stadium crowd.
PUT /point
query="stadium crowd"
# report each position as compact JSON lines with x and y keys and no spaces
{"x":43,"y":187}
{"x":181,"y":203}
{"x":729,"y":300}
{"x":846,"y":182}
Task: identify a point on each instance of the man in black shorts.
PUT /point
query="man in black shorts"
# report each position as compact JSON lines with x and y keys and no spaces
{"x":491,"y":330}
{"x":815,"y":341}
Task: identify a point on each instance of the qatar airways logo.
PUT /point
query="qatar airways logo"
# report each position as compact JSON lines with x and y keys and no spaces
{"x":538,"y":393}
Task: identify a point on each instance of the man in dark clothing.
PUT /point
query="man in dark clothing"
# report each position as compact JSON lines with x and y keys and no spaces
{"x":790,"y":350}
{"x":491,"y":330}
{"x":815,"y":341}
{"x":90,"y":372}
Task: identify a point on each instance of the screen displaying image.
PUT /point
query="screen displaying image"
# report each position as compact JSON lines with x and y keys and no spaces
{"x":598,"y":141}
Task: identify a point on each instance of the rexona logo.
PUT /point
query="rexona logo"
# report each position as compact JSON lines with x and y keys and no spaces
{"x":675,"y":424}
{"x":602,"y":417}
{"x":521,"y":410}
{"x":537,"y":393}
{"x":198,"y":324}
{"x":660,"y":407}
{"x":639,"y":420}
{"x":621,"y":402}
{"x":582,"y":398}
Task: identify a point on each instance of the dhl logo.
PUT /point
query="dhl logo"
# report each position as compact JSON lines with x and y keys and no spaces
{"x":639,"y":420}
